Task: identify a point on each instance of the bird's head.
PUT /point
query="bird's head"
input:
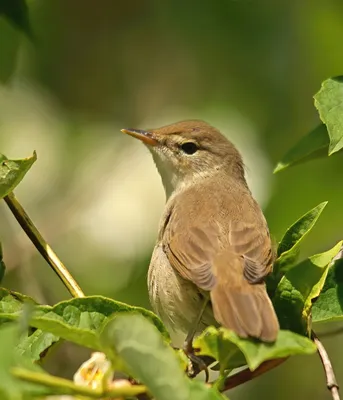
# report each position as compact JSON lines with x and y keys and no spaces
{"x":187,"y":150}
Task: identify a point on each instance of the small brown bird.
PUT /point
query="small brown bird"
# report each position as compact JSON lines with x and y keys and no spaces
{"x":213,"y":249}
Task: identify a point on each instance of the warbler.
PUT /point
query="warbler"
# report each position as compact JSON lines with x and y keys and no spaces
{"x":213,"y":249}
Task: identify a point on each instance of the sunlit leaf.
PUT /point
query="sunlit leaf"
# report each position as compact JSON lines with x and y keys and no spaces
{"x":78,"y":320}
{"x":150,"y":360}
{"x":314,"y":145}
{"x":329,"y":102}
{"x":12,"y":302}
{"x":12,"y":172}
{"x":218,"y":342}
{"x":297,"y":289}
{"x":329,"y":305}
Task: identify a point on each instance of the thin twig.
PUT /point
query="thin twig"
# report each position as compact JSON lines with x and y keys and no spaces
{"x":246,"y":375}
{"x":331,"y":381}
{"x":42,"y":246}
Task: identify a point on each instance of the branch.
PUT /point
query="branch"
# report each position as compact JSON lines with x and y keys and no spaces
{"x":65,"y":386}
{"x":331,"y":381}
{"x":42,"y":246}
{"x":246,"y":375}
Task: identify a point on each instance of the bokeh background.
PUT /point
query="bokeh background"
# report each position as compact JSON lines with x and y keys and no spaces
{"x":247,"y":67}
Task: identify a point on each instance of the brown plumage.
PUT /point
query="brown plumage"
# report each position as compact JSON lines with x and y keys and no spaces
{"x":213,"y":237}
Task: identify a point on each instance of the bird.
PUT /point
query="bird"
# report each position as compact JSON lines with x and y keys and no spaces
{"x":213,"y":250}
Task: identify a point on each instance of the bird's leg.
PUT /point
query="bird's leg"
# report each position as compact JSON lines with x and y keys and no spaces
{"x":188,"y":345}
{"x":198,"y":364}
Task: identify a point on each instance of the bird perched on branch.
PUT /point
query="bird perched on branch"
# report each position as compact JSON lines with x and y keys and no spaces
{"x":213,"y":249}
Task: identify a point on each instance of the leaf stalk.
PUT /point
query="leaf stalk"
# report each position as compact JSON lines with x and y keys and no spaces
{"x":65,"y":386}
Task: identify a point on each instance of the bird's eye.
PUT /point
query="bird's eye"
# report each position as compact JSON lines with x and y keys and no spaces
{"x":189,"y":147}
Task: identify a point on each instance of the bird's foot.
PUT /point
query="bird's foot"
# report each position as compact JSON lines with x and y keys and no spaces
{"x":197,"y":363}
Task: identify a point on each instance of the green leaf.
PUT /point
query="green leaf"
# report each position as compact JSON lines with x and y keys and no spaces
{"x":314,"y":145}
{"x":297,"y":289}
{"x":78,"y":320}
{"x":329,"y":305}
{"x":300,"y":229}
{"x":150,"y":360}
{"x":12,"y":303}
{"x":325,"y":139}
{"x":288,"y":249}
{"x":8,"y":385}
{"x":11,"y":388}
{"x":215,"y":342}
{"x":35,"y":345}
{"x":12,"y":172}
{"x":329,"y":103}
{"x":16,"y":11}
{"x":2,"y":265}
{"x":289,"y":246}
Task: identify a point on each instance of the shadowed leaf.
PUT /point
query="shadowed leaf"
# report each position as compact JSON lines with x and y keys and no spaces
{"x":299,"y":229}
{"x":314,"y":145}
{"x":329,"y":305}
{"x":288,"y":249}
{"x":289,"y":246}
{"x":327,"y":138}
{"x":297,"y":289}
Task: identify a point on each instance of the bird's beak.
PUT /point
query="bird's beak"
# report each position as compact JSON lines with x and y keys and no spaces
{"x":145,"y":136}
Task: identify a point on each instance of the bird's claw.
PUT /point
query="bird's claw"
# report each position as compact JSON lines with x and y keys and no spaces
{"x":197,"y":364}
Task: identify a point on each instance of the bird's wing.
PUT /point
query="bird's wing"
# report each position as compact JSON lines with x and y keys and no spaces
{"x":254,"y":245}
{"x":192,"y":244}
{"x":191,"y":250}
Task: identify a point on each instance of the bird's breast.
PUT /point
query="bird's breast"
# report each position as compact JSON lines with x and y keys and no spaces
{"x":177,"y":301}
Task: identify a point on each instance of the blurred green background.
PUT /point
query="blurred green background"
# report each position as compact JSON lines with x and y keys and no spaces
{"x":248,"y":67}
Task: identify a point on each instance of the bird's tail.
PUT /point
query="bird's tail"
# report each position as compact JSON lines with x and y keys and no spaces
{"x":246,"y":309}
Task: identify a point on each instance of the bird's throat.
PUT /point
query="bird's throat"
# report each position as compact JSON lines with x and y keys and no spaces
{"x":170,"y":179}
